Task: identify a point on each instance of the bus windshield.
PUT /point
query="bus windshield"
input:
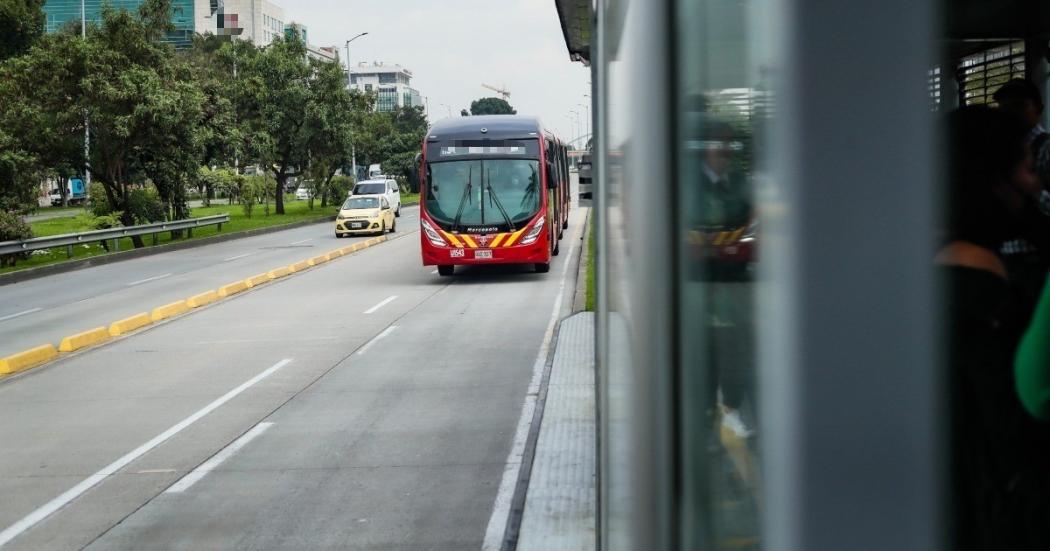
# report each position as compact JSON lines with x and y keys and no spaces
{"x":498,"y":192}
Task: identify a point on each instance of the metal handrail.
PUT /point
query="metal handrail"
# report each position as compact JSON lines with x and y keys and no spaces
{"x":69,"y":239}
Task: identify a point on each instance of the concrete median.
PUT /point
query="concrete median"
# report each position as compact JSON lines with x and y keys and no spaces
{"x":128,"y":325}
{"x":279,"y":272}
{"x":196,"y":301}
{"x":85,"y":339}
{"x":257,"y":280}
{"x":27,"y":359}
{"x":332,"y":255}
{"x":320,"y":259}
{"x":299,"y":266}
{"x":169,"y":310}
{"x":232,"y":289}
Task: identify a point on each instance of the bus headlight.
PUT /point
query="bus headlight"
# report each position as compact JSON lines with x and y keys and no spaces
{"x":432,"y":234}
{"x":530,"y":236}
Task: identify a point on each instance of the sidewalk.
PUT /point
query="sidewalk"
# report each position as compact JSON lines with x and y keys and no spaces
{"x":561,"y":503}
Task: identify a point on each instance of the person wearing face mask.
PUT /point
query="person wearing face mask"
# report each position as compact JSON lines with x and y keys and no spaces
{"x":1000,"y":485}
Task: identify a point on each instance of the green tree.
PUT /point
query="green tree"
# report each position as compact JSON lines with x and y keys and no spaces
{"x":22,"y":24}
{"x":145,"y":109}
{"x":42,"y":132}
{"x":491,"y":106}
{"x":329,"y":124}
{"x":279,"y":82}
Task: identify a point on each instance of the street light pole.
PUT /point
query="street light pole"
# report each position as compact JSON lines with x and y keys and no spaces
{"x":586,"y":128}
{"x":575,"y":128}
{"x":348,"y":64}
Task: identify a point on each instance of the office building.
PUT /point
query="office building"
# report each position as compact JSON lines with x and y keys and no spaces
{"x":59,"y":13}
{"x":321,"y":53}
{"x":390,"y":83}
{"x":256,"y":20}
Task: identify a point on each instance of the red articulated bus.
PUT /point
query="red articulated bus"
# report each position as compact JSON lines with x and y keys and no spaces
{"x":493,"y":190}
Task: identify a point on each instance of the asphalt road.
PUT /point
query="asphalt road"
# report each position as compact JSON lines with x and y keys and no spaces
{"x":47,"y":309}
{"x":366,"y":403}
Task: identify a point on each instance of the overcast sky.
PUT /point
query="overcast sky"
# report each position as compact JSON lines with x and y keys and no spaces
{"x":452,"y":46}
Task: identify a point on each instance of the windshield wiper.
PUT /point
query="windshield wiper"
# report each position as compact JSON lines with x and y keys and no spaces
{"x":463,"y":200}
{"x":499,"y":204}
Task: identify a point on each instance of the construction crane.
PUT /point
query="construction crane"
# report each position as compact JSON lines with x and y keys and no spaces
{"x":501,"y":91}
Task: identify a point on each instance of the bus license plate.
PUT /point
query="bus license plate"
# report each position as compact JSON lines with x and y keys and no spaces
{"x":483,"y":254}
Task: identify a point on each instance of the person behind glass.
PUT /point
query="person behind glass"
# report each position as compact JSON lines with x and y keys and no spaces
{"x":726,"y":205}
{"x":1027,"y":255}
{"x":1000,"y":496}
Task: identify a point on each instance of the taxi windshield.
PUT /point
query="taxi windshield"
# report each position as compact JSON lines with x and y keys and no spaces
{"x":361,"y":203}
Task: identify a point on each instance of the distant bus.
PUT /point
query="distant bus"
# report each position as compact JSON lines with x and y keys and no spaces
{"x":494,"y":190}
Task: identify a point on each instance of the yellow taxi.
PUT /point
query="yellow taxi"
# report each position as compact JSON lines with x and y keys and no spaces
{"x":365,"y":214}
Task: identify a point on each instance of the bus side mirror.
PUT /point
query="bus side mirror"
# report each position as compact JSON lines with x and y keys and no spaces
{"x":415,"y":184}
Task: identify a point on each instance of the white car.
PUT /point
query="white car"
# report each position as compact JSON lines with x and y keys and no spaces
{"x":386,"y":187}
{"x":302,"y":194}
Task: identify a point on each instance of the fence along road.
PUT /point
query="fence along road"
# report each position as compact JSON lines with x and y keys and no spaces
{"x":403,"y":446}
{"x":47,"y":309}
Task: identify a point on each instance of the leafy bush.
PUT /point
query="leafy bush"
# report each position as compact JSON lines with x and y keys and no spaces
{"x":254,"y":190}
{"x":145,"y":206}
{"x":98,"y":203}
{"x":107,"y":221}
{"x":338,"y":188}
{"x":13,"y":228}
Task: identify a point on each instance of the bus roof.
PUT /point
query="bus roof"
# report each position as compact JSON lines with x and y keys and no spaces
{"x":497,"y":127}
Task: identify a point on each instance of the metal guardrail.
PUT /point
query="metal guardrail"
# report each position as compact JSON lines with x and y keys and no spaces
{"x":113,"y":234}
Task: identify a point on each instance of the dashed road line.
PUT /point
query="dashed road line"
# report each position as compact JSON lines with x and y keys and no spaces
{"x":238,"y":257}
{"x":22,"y":313}
{"x":376,"y":339}
{"x":385,"y":301}
{"x":65,"y":498}
{"x":147,"y":280}
{"x":208,"y":466}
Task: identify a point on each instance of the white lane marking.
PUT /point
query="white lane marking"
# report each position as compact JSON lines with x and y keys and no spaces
{"x":495,"y":532}
{"x":50,"y":507}
{"x":386,"y":301}
{"x":147,"y":280}
{"x":13,"y":316}
{"x":237,"y":257}
{"x":376,"y":339}
{"x":208,"y":466}
{"x":301,"y":242}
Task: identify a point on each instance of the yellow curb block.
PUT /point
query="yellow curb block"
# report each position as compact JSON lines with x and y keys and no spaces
{"x":356,"y":246}
{"x":128,"y":325}
{"x":332,"y":255}
{"x":257,"y":280}
{"x":27,"y":358}
{"x":279,"y":272}
{"x":233,"y":288}
{"x":320,"y":259}
{"x":347,"y":249}
{"x":84,"y":340}
{"x":196,"y":301}
{"x":299,"y":266}
{"x":169,"y":310}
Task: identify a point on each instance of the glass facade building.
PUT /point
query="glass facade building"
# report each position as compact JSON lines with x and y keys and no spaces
{"x":60,"y":13}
